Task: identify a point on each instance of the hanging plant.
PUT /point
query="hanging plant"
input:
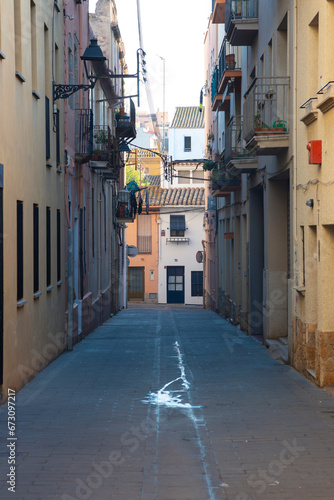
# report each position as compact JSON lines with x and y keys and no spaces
{"x":209,"y":165}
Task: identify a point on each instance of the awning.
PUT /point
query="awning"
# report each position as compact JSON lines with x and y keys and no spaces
{"x":177,"y":223}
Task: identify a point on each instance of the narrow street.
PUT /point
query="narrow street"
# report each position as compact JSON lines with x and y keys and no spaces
{"x":170,"y":404}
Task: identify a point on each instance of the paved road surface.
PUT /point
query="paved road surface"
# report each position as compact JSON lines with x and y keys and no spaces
{"x":169,"y":404}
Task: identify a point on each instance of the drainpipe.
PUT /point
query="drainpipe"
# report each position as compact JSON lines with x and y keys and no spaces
{"x":204,"y":272}
{"x":69,"y":268}
{"x":70,"y":290}
{"x":294,"y":183}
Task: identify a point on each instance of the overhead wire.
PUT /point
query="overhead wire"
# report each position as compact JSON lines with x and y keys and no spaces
{"x":153,"y":114}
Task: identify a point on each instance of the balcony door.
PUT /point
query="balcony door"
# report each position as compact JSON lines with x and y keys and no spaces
{"x":175,"y":285}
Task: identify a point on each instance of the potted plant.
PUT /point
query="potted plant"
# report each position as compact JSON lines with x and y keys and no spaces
{"x":101,"y":140}
{"x":257,"y":121}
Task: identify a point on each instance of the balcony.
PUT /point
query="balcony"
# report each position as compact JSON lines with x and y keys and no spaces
{"x":102,"y":156}
{"x":218,"y":11}
{"x":83,"y":135}
{"x":124,"y":208}
{"x":326,"y":97}
{"x":126,"y":124}
{"x":265,"y":120}
{"x":241,"y":21}
{"x":224,"y":183}
{"x":216,"y":98}
{"x":310,"y":111}
{"x":229,"y":67}
{"x":237,"y":158}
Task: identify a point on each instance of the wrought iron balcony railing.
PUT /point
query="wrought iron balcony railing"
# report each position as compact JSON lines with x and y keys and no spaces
{"x":229,"y":58}
{"x":102,"y":143}
{"x":266,"y":107}
{"x":214,"y":83}
{"x":84,"y":133}
{"x":234,"y":141}
{"x":242,"y":11}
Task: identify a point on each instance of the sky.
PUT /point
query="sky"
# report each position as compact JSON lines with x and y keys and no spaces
{"x":173,"y":30}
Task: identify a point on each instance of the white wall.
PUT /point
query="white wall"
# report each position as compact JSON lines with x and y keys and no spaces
{"x":176,"y":143}
{"x":181,"y":254}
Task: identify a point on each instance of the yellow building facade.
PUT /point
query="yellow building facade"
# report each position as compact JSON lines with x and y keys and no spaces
{"x":313,"y":319}
{"x":32,"y":310}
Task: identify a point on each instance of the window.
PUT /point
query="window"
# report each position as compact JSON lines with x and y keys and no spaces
{"x":36,"y":246}
{"x":198,"y":176}
{"x":183,"y":177}
{"x":58,"y":246}
{"x":33,"y":45}
{"x":18,"y":35}
{"x":57,"y":139}
{"x":187,"y":143}
{"x":47,"y":52}
{"x":48,"y":246}
{"x":197,"y":283}
{"x":47,"y":128}
{"x":177,"y":225}
{"x":19,"y":248}
{"x":144,"y":234}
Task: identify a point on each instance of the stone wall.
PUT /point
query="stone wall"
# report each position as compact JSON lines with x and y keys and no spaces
{"x":313,"y":350}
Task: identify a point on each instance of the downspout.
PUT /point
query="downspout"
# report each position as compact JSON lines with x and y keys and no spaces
{"x":294,"y":184}
{"x":81,"y":254}
{"x":204,"y":272}
{"x":67,"y":214}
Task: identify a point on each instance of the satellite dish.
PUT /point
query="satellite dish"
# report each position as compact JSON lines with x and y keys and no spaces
{"x":199,"y":257}
{"x":132,"y":251}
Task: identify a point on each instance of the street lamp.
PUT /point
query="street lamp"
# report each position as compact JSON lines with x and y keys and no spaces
{"x":92,"y":54}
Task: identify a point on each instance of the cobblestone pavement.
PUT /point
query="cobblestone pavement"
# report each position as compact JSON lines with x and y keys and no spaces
{"x":169,"y":404}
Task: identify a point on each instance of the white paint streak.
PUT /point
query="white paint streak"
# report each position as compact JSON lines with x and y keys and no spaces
{"x":171,"y":400}
{"x":167,"y":398}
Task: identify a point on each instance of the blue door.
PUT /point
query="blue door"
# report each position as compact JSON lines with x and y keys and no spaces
{"x":175,"y":285}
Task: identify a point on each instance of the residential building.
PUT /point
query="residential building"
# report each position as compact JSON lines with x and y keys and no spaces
{"x":313,"y":314}
{"x":186,"y":145}
{"x":180,"y":236}
{"x":89,"y":190}
{"x":168,"y":238}
{"x":254,"y":178}
{"x":114,"y":126}
{"x":32,"y":267}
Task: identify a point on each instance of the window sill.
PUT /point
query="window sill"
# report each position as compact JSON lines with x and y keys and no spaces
{"x":59,"y":283}
{"x":49,"y":288}
{"x":20,"y":303}
{"x":59,"y":170}
{"x":2,"y":55}
{"x":37,"y":294}
{"x":20,"y":77}
{"x":49,"y":164}
{"x":300,"y":289}
{"x":36,"y":94}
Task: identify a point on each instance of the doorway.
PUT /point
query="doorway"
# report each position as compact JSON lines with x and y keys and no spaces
{"x":175,"y":285}
{"x":136,"y":288}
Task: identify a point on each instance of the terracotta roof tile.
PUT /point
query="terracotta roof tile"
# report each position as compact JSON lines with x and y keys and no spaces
{"x":159,"y":197}
{"x":188,"y":117}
